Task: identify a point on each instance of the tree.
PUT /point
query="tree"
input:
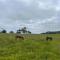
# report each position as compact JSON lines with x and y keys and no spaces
{"x":3,"y":31}
{"x":24,"y":30}
{"x":18,"y":31}
{"x":11,"y":31}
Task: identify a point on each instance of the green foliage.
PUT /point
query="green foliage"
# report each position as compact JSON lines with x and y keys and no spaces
{"x":34,"y":47}
{"x":3,"y":31}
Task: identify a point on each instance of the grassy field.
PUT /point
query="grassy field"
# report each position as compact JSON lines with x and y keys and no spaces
{"x":34,"y":47}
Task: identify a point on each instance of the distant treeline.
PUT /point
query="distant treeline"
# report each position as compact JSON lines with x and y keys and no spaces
{"x":52,"y":32}
{"x":22,"y":30}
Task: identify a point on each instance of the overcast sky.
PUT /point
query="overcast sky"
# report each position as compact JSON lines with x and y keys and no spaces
{"x":37,"y":15}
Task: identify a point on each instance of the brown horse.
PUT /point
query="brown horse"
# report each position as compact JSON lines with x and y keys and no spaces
{"x":49,"y":38}
{"x":19,"y":37}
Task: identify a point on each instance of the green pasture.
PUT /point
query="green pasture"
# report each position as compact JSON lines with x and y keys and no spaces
{"x":33,"y":47}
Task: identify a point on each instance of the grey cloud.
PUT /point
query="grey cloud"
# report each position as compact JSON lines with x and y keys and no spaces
{"x":35,"y":14}
{"x":18,"y":11}
{"x":32,"y":12}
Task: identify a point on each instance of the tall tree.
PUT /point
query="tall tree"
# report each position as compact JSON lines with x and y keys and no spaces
{"x":24,"y":30}
{"x":3,"y":31}
{"x":18,"y":31}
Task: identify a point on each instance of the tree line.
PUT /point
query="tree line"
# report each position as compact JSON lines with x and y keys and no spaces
{"x":23,"y":30}
{"x":52,"y":32}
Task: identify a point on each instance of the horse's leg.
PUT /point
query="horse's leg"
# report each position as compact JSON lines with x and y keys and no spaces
{"x":17,"y":37}
{"x":51,"y":39}
{"x":46,"y":38}
{"x":23,"y":38}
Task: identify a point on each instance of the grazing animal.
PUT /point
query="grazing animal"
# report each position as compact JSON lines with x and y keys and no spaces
{"x":19,"y":37}
{"x":49,"y":38}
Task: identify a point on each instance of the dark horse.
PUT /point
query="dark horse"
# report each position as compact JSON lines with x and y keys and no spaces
{"x":48,"y":38}
{"x":19,"y":37}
